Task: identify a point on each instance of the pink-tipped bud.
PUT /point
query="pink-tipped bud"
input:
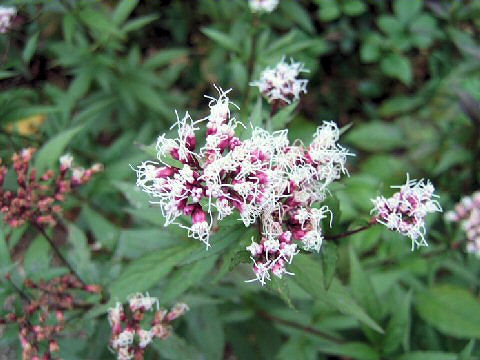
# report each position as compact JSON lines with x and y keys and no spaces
{"x":166,"y":171}
{"x":177,"y":311}
{"x":198,"y":215}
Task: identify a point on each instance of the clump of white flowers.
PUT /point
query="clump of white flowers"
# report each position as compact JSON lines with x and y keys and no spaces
{"x":467,"y":212}
{"x":6,"y":16}
{"x":129,"y":339}
{"x":405,"y":211}
{"x":263,"y":5}
{"x":281,"y":83}
{"x":263,"y":178}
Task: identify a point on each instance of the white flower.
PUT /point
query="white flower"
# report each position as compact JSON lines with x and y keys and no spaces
{"x":405,"y":211}
{"x":6,"y":16}
{"x":263,"y":5}
{"x":66,"y":161}
{"x":281,"y":82}
{"x":142,"y":302}
{"x":145,"y":337}
{"x":125,"y":338}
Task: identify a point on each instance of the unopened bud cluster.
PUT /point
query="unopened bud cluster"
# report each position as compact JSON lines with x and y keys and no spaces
{"x":129,"y":339}
{"x":38,"y":197}
{"x":264,"y":177}
{"x":405,"y":211}
{"x":43,"y":318}
{"x":281,"y":84}
{"x":467,"y":212}
{"x":6,"y":16}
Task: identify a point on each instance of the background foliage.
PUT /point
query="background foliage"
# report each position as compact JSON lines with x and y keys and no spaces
{"x":101,"y":78}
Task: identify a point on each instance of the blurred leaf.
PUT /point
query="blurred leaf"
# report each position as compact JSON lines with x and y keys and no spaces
{"x":428,"y":355}
{"x":164,"y":57}
{"x":376,"y":136}
{"x":354,"y":7}
{"x":450,"y":309}
{"x":406,"y":10}
{"x":123,"y":11}
{"x":105,"y":232}
{"x":206,"y":329}
{"x":353,"y":350}
{"x":280,"y":120}
{"x":329,"y":255}
{"x":79,"y":256}
{"x":294,"y":11}
{"x":30,"y":48}
{"x":398,"y":67}
{"x":37,"y":258}
{"x":138,"y":23}
{"x":467,"y":351}
{"x":49,"y":153}
{"x":176,"y":348}
{"x":222,"y":39}
{"x":96,"y":20}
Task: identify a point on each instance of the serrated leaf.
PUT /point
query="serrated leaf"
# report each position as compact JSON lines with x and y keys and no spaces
{"x":49,"y":153}
{"x":450,"y":309}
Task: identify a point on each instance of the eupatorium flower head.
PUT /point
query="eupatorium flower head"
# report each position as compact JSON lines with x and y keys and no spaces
{"x":6,"y":16}
{"x":129,"y":339}
{"x":263,"y":5}
{"x":406,"y":210}
{"x":263,"y":178}
{"x":281,"y":83}
{"x":467,"y":212}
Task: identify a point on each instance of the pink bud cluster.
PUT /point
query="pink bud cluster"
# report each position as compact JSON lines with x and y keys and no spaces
{"x":6,"y":16}
{"x":129,"y":340}
{"x":467,"y":212}
{"x":281,"y":84}
{"x":38,"y":198}
{"x":406,"y":210}
{"x":43,"y":318}
{"x":263,"y":177}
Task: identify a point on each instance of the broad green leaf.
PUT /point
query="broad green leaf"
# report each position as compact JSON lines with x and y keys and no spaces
{"x":133,"y":243}
{"x":134,"y":195}
{"x":294,"y":11}
{"x":97,"y":20}
{"x":370,"y":49}
{"x":206,"y":330}
{"x":123,"y":11}
{"x":80,"y":255}
{"x":362,"y":288}
{"x":398,"y":328}
{"x":177,"y":348}
{"x":49,"y":153}
{"x":37,"y":258}
{"x":354,"y":7}
{"x":407,"y":10}
{"x":450,"y":309}
{"x":467,"y":351}
{"x":398,"y":67}
{"x":329,"y":255}
{"x":309,"y":276}
{"x":352,"y":350}
{"x":105,"y":232}
{"x":142,"y":274}
{"x":30,"y":48}
{"x":376,"y":136}
{"x":138,"y":23}
{"x":164,"y":57}
{"x":390,"y":25}
{"x":221,"y":39}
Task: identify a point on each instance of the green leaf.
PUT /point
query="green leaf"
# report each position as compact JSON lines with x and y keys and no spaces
{"x":407,"y":10}
{"x":140,"y":275}
{"x":309,"y":276}
{"x":187,"y":277}
{"x":398,"y":328}
{"x":354,"y":7}
{"x":105,"y":232}
{"x":164,"y":57}
{"x":30,"y":48}
{"x":329,"y":255}
{"x":49,"y":153}
{"x":5,"y":260}
{"x":138,"y":23}
{"x":206,"y":330}
{"x":362,"y":288}
{"x":294,"y":11}
{"x":352,"y":350}
{"x":123,"y":11}
{"x":80,"y":256}
{"x":398,"y":67}
{"x":37,"y":258}
{"x":371,"y":48}
{"x":329,"y":11}
{"x":376,"y":136}
{"x":452,"y":310}
{"x":467,"y":351}
{"x":134,"y":195}
{"x":221,"y":39}
{"x":133,"y":243}
{"x":428,"y":355}
{"x":280,"y":120}
{"x":176,"y":348}
{"x":96,"y":20}
{"x":390,"y":25}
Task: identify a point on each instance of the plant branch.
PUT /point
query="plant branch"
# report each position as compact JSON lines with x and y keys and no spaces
{"x":58,"y":253}
{"x":304,"y":328}
{"x":351,"y":232}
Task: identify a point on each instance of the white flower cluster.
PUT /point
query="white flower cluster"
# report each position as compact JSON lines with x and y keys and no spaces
{"x":6,"y":16}
{"x":467,"y":212}
{"x":124,"y":331}
{"x":264,"y":178}
{"x":405,"y":211}
{"x":281,"y":82}
{"x":263,"y":5}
